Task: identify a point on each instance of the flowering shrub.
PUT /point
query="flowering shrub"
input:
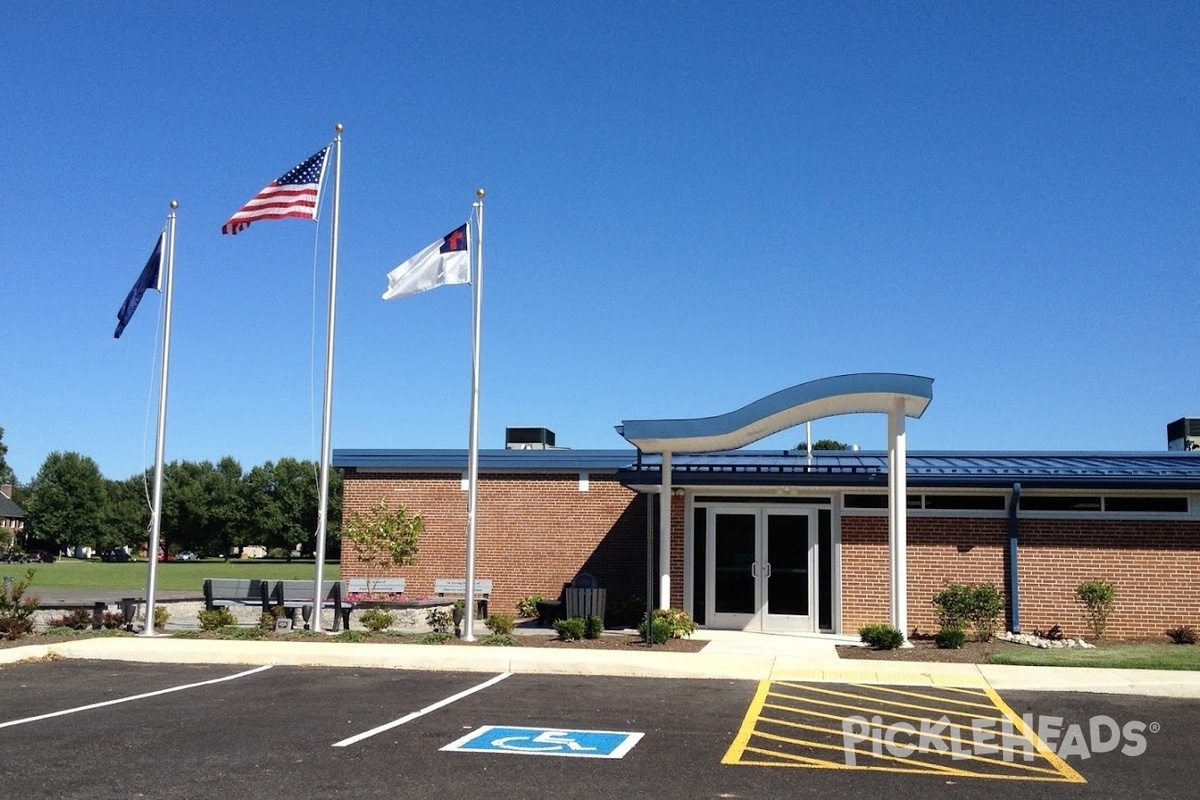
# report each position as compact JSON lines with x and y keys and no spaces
{"x":360,"y":597}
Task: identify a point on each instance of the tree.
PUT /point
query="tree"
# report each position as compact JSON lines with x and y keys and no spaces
{"x":283,"y":500}
{"x":66,"y":500}
{"x":6,"y":473}
{"x":824,"y":444}
{"x":125,"y":516}
{"x":384,"y":537}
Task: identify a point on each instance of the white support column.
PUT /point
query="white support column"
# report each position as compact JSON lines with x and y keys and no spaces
{"x":664,"y":538}
{"x":898,"y":518}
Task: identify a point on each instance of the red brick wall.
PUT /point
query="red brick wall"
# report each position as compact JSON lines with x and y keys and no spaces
{"x":1152,"y":564}
{"x":532,"y":532}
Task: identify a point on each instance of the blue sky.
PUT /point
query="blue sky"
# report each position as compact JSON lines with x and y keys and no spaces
{"x":689,"y":206}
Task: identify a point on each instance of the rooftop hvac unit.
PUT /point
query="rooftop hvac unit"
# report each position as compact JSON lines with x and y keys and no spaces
{"x":529,"y":439}
{"x":1184,"y":434}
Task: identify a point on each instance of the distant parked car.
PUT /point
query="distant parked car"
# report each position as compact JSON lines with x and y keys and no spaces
{"x":115,"y":555}
{"x":187,"y":555}
{"x":43,"y":556}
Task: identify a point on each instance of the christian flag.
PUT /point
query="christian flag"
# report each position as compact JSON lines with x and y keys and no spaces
{"x":447,"y":260}
{"x":147,"y":280}
{"x":292,"y":194}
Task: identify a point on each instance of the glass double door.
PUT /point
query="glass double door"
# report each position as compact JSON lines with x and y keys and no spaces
{"x":762,"y":567}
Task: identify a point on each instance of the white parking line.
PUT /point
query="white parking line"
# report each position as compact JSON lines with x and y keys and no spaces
{"x":133,"y":697}
{"x":410,"y":717}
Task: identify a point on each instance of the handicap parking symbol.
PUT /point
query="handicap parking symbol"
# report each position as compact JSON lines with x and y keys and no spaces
{"x":546,"y":742}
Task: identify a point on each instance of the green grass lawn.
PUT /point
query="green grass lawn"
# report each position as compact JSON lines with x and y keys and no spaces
{"x":1112,"y":656}
{"x":171,"y":575}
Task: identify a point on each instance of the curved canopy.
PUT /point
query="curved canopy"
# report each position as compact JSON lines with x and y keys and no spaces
{"x":858,"y":393}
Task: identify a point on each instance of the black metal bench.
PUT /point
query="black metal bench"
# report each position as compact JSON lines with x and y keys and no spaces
{"x":222,"y":592}
{"x":292,"y":595}
{"x":457,"y":587}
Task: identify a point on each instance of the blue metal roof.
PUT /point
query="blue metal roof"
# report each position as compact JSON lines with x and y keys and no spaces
{"x":1165,"y":470}
{"x":858,"y":393}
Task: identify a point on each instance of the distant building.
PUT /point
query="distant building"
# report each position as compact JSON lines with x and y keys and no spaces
{"x":12,"y":518}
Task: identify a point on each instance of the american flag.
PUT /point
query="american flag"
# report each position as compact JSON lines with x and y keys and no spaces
{"x":292,"y":194}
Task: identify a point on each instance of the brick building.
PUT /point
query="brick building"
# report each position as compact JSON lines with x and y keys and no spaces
{"x":798,"y":541}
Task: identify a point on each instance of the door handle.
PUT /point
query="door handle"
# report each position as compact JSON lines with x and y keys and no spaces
{"x":753,"y":569}
{"x":768,"y":565}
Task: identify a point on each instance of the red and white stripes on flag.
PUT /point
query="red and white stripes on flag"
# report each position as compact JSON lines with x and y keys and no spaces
{"x":293,"y":194}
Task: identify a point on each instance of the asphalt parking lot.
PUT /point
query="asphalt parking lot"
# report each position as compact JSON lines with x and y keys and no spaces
{"x":112,"y":729}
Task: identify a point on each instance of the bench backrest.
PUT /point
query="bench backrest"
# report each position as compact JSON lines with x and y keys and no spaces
{"x":444,"y":586}
{"x":363,"y":585}
{"x":233,"y":588}
{"x":299,"y":591}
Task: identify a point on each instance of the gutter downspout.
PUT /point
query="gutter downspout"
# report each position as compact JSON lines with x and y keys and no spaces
{"x":1013,"y":583}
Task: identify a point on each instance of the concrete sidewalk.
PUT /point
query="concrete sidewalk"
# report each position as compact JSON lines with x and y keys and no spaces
{"x":729,"y":655}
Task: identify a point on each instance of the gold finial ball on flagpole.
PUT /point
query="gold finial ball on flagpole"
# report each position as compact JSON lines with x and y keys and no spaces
{"x":174,"y":204}
{"x":338,"y":127}
{"x":479,"y":193}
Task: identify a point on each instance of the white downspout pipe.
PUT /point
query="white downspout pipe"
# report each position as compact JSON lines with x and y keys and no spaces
{"x":898,"y":518}
{"x":664,"y":537}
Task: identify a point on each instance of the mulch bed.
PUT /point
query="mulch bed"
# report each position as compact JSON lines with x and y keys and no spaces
{"x":926,"y":650}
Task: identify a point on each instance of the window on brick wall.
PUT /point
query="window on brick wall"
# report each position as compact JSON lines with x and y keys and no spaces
{"x":1059,"y":502}
{"x":1157,"y":505}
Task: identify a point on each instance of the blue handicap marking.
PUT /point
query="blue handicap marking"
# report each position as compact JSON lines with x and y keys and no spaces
{"x":546,"y":742}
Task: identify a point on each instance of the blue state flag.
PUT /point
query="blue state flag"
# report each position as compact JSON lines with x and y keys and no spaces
{"x":147,"y":280}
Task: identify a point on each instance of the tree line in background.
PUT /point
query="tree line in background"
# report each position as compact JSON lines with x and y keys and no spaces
{"x":210,"y":509}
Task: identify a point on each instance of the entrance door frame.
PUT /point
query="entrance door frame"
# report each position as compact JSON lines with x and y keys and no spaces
{"x":761,"y":619}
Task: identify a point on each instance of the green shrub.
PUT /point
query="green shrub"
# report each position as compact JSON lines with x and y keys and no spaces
{"x":377,"y":619}
{"x":436,"y":637}
{"x":234,"y":632}
{"x":60,"y":630}
{"x":570,"y":629}
{"x":500,"y":624}
{"x":678,"y":623}
{"x":220,"y":617}
{"x":593,"y":626}
{"x":112,"y":620}
{"x":440,"y":620}
{"x":186,"y":635}
{"x":660,"y":630}
{"x":980,"y":605}
{"x":350,"y":636}
{"x":881,"y":636}
{"x":527,"y":606}
{"x":950,"y":638}
{"x":1098,"y":598}
{"x":16,"y":610}
{"x":500,"y":640}
{"x":161,"y":615}
{"x":1184,"y":634}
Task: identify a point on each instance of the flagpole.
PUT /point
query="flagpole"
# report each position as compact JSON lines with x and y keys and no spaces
{"x":323,"y":490}
{"x":161,"y":434}
{"x":473,"y":453}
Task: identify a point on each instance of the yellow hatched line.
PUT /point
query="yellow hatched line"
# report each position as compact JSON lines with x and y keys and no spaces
{"x":1066,"y":769}
{"x":892,"y":715}
{"x":738,"y":746}
{"x":923,"y":750}
{"x":818,"y":764}
{"x":973,"y":692}
{"x":876,"y":709}
{"x":922,"y":696}
{"x":925,"y":766}
{"x":922,"y":767}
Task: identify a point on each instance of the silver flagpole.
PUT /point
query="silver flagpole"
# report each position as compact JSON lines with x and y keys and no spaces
{"x":323,"y":491}
{"x":473,"y":454}
{"x":161,"y":435}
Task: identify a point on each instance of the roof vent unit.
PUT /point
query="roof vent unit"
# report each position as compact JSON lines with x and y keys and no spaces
{"x":529,"y":439}
{"x":1184,"y":434}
